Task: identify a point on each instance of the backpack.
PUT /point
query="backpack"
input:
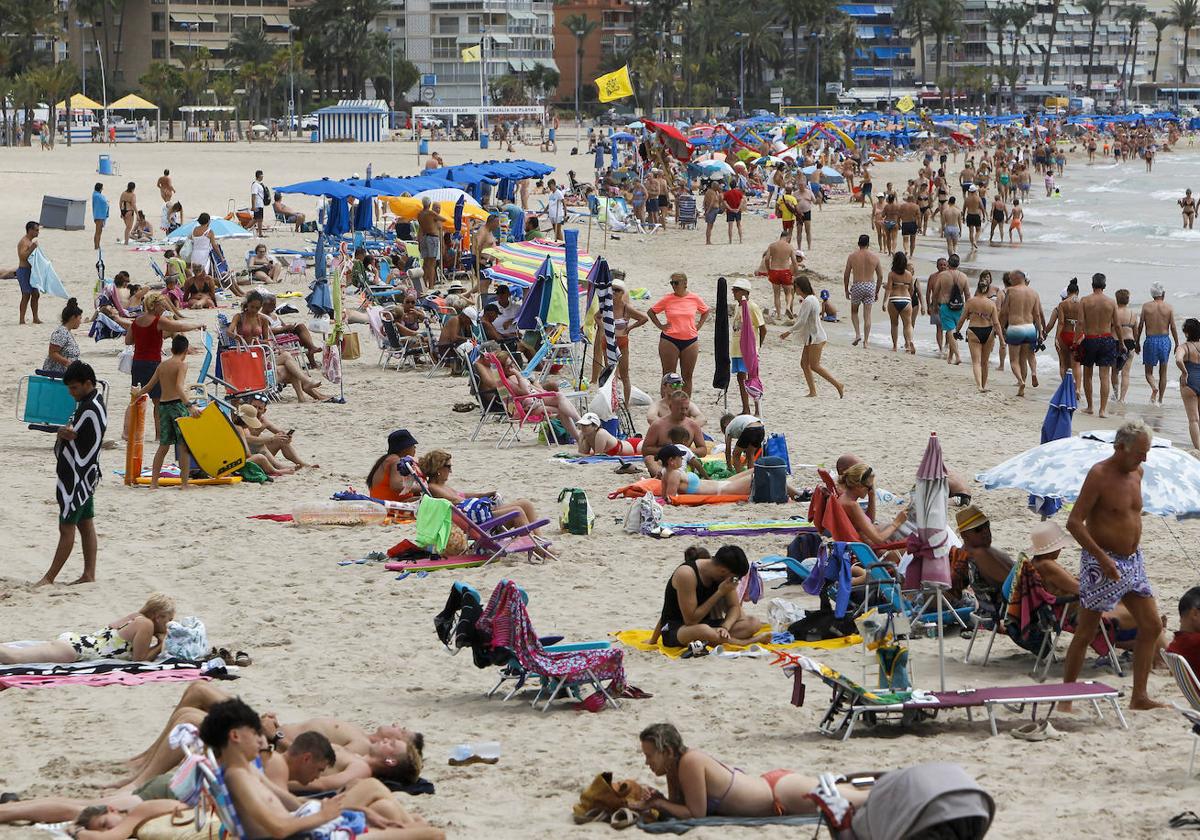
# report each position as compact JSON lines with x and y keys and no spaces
{"x":956,"y":297}
{"x":645,"y":514}
{"x":575,"y":515}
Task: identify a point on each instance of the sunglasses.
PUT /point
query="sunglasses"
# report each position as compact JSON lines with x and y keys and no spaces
{"x":676,"y":282}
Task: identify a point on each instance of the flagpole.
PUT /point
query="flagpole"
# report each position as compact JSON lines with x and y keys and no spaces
{"x":482,"y":96}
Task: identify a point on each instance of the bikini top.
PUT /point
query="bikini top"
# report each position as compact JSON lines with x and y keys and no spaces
{"x":713,"y":803}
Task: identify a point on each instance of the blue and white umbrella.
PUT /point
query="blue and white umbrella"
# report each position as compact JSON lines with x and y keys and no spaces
{"x":713,"y":168}
{"x":1170,"y":486}
{"x":221,"y":229}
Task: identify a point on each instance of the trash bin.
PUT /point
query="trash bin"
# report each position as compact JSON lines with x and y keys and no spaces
{"x":62,"y":213}
{"x":106,"y":165}
{"x":314,"y":137}
{"x":423,"y":147}
{"x":483,"y":141}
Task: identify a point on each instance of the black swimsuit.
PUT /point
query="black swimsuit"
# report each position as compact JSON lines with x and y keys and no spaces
{"x":672,"y":616}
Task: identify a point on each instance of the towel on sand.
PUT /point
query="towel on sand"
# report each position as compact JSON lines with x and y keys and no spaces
{"x":640,"y":640}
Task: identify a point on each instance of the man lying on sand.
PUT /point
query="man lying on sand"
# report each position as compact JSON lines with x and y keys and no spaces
{"x":389,"y":753}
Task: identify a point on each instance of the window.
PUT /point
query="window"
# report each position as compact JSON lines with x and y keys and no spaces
{"x":448,"y":25}
{"x":158,"y":22}
{"x":158,"y":49}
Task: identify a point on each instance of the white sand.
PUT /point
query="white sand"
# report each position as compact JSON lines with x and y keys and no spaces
{"x":355,"y":642}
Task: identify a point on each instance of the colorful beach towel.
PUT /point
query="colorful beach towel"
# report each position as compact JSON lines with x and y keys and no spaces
{"x":726,"y":529}
{"x":640,"y":640}
{"x":108,"y":678}
{"x":684,"y":826}
{"x":653,"y":485}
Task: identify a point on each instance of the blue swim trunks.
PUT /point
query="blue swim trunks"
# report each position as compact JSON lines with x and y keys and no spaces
{"x":1156,"y":350}
{"x":24,"y":275}
{"x":1021,"y":334}
{"x":737,"y":365}
{"x":949,"y":317}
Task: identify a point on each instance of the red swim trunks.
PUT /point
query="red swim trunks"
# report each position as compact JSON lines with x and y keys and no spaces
{"x":780,"y":276}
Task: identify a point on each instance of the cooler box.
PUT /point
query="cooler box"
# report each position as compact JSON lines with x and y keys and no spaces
{"x":769,"y":483}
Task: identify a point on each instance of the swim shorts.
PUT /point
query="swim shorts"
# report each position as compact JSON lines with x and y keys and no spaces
{"x":974,"y":220}
{"x":168,"y":412}
{"x":1021,"y":334}
{"x":951,"y":231}
{"x":949,"y":317}
{"x":862,"y":293}
{"x":24,"y":275}
{"x":1099,"y":594}
{"x":908,"y":228}
{"x":1097,"y":351}
{"x":1156,"y":350}
{"x":710,"y":216}
{"x":737,"y":365}
{"x":780,"y":276}
{"x":732,"y":217}
{"x":651,"y":205}
{"x":85,"y":511}
{"x":806,"y":216}
{"x":430,"y":246}
{"x":788,"y":224}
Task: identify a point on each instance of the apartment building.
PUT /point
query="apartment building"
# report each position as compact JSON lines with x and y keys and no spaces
{"x":612,"y":36}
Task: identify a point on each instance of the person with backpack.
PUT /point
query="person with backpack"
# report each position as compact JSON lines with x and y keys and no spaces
{"x":949,"y":292}
{"x":260,"y":197}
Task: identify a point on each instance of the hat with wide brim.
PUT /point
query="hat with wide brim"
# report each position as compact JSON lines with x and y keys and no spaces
{"x":249,"y":416}
{"x":1047,"y":538}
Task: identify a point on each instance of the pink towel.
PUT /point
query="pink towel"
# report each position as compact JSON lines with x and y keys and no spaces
{"x":107,"y":678}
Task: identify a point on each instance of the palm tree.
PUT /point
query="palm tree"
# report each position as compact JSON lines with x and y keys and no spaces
{"x":1020,"y":17}
{"x":1096,"y":9}
{"x":1057,"y":4}
{"x":25,"y":95}
{"x":247,"y":47}
{"x":55,"y":82}
{"x":1135,"y":15}
{"x":164,"y":84}
{"x":944,"y":21}
{"x":912,"y":15}
{"x":1186,"y":15}
{"x":580,"y":26}
{"x":1160,"y":22}
{"x":998,"y":18}
{"x":845,"y":38}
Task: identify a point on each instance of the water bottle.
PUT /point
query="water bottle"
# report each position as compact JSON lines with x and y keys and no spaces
{"x":339,"y":513}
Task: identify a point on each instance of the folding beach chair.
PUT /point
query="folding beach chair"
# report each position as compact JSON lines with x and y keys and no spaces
{"x":1189,"y":686}
{"x":981,"y":621}
{"x":396,"y":347}
{"x":490,"y":407}
{"x":221,"y":272}
{"x":686,"y":211}
{"x":523,"y":409}
{"x":558,"y":673}
{"x":851,"y":702}
{"x":47,"y":405}
{"x":215,"y":797}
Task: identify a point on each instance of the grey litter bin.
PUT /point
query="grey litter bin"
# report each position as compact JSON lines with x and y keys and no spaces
{"x":62,"y":213}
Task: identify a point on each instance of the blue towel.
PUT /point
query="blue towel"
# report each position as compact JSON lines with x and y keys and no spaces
{"x":43,"y":276}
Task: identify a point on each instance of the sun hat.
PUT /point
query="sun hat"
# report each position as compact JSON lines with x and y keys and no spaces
{"x":456,"y":286}
{"x":741,"y":283}
{"x":400,"y":440}
{"x":471,"y":312}
{"x":249,"y":416}
{"x":970,"y":518}
{"x":589,"y":419}
{"x":1047,"y":538}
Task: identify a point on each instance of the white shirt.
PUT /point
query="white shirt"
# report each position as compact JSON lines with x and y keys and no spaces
{"x":738,"y":425}
{"x":507,"y":322}
{"x":556,"y":206}
{"x":808,"y":321}
{"x":257,"y":195}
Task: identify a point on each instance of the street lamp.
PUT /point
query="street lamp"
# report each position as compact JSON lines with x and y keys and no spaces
{"x":741,"y":36}
{"x":579,"y":34}
{"x":293,"y":122}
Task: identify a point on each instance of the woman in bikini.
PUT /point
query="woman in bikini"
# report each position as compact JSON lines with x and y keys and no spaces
{"x":677,"y":481}
{"x":1068,"y":315}
{"x":559,"y":405}
{"x":982,"y":319}
{"x":478,"y":507}
{"x":594,"y":439}
{"x":1187,"y":359}
{"x":626,"y":319}
{"x":137,"y":637}
{"x":128,"y":207}
{"x":1127,"y":321}
{"x":677,"y":345}
{"x":250,"y":326}
{"x":699,"y":785}
{"x":1188,"y":205}
{"x":897,"y":301}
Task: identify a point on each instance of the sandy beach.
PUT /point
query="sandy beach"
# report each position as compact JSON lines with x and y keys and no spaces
{"x":355,"y":642}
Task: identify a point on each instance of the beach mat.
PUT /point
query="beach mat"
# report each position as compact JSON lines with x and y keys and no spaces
{"x":106,"y":678}
{"x":684,"y":826}
{"x":728,"y":529}
{"x":433,"y":564}
{"x":640,"y":640}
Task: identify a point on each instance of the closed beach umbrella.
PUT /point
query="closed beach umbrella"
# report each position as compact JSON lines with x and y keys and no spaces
{"x":571,"y":235}
{"x":1170,"y":484}
{"x":721,"y":336}
{"x":363,"y":214}
{"x":930,"y":545}
{"x":749,"y":348}
{"x":1056,"y":426}
{"x":337,"y":217}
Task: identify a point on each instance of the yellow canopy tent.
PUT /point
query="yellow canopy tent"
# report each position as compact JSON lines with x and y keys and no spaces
{"x":79,"y":102}
{"x":132,"y":102}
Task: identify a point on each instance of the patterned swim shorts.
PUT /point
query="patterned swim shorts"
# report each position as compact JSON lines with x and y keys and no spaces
{"x":1099,"y":594}
{"x":862,"y":293}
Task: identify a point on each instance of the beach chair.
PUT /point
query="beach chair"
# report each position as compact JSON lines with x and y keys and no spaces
{"x":559,"y":673}
{"x":523,"y":409}
{"x":1189,"y":687}
{"x":981,"y":621}
{"x":494,"y":409}
{"x":48,"y":405}
{"x":396,"y":347}
{"x":215,"y":798}
{"x":221,"y":272}
{"x":492,"y":539}
{"x":852,"y":702}
{"x":686,"y":211}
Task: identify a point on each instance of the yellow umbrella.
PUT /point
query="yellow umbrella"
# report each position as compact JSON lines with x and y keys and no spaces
{"x":80,"y":102}
{"x":132,"y":102}
{"x":407,"y":207}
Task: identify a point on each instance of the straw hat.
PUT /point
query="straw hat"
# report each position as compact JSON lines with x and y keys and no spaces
{"x":970,"y":517}
{"x":1047,"y":538}
{"x":249,"y":416}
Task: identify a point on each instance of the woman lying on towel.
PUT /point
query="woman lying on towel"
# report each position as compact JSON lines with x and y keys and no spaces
{"x":137,"y":637}
{"x":478,"y":507}
{"x":676,"y":481}
{"x":699,"y":785}
{"x":595,"y":440}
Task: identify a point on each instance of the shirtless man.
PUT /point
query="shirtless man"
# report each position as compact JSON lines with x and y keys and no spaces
{"x":1099,"y":345}
{"x":1107,"y":523}
{"x":973,"y":211}
{"x":166,"y":189}
{"x":999,"y":217}
{"x":29,"y":295}
{"x":934,"y":318}
{"x":780,"y":259}
{"x":658,"y":433}
{"x":804,"y":205}
{"x":909,"y":213}
{"x":234,"y":733}
{"x":863,"y":266}
{"x":891,"y":221}
{"x":1157,"y":324}
{"x":988,"y":565}
{"x":1024,"y":327}
{"x":672,"y":382}
{"x":389,"y":751}
{"x":430,"y":225}
{"x":948,"y":293}
{"x":483,"y":239}
{"x":951,"y":225}
{"x":966,"y":178}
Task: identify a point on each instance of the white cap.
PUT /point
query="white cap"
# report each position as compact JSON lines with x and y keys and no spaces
{"x":618,"y":284}
{"x":741,"y":283}
{"x":472,"y":313}
{"x":973,"y":188}
{"x":589,"y":419}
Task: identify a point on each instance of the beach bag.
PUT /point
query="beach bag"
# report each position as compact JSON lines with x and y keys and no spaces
{"x":125,"y":360}
{"x":769,"y":483}
{"x":556,"y":430}
{"x":351,"y":349}
{"x":776,"y":447}
{"x":955,"y":301}
{"x":604,"y":796}
{"x":296,"y":266}
{"x":645,"y":514}
{"x":187,"y":639}
{"x":185,"y":250}
{"x":575,"y":515}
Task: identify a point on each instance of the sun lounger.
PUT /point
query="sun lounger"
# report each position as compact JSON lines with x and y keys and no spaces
{"x":851,"y":701}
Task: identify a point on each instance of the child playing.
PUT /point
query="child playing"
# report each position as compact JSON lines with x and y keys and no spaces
{"x":170,"y":376}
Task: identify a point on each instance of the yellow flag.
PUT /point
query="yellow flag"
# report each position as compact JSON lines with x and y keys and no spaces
{"x":905,"y":104}
{"x":470,"y":54}
{"x":615,"y":85}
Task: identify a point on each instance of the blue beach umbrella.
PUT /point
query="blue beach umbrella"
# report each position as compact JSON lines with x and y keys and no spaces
{"x":364,"y":214}
{"x":1056,"y":426}
{"x":337,"y":217}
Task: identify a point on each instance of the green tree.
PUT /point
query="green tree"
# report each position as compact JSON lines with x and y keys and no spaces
{"x":845,"y":38}
{"x":1186,"y":15}
{"x":1056,"y":6}
{"x":998,"y":18}
{"x":1096,"y":9}
{"x":55,"y":82}
{"x":246,"y":47}
{"x":194,"y":76}
{"x":1134,"y":15}
{"x":22,"y":23}
{"x":339,"y":47}
{"x":507,"y":90}
{"x":163,"y":83}
{"x":912,"y":15}
{"x":1020,"y":17}
{"x":944,"y":21}
{"x":1160,"y":22}
{"x":580,"y":26}
{"x":25,"y":95}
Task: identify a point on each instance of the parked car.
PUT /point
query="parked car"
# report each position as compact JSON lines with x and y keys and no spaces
{"x":429,"y":122}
